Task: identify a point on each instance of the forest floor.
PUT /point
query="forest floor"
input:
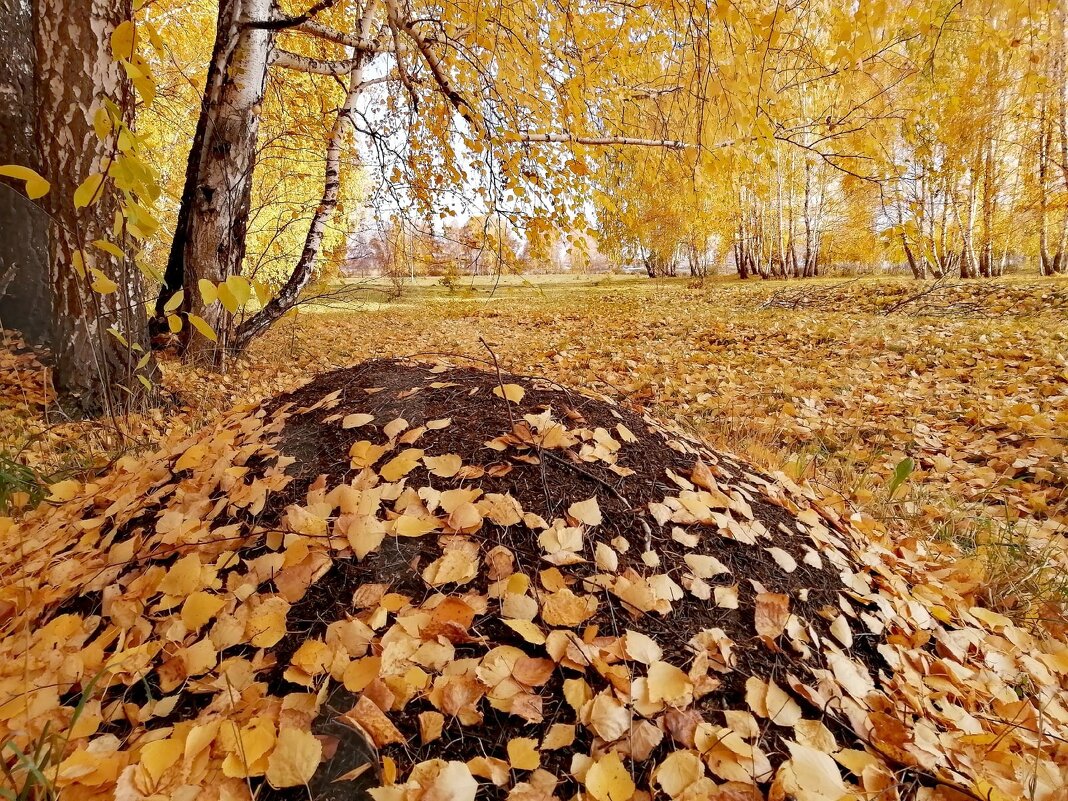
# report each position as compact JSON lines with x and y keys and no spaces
{"x":836,"y":381}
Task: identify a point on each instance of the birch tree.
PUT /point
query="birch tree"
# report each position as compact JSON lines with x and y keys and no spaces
{"x":90,"y":182}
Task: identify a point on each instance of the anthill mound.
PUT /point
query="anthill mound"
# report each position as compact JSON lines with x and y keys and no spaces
{"x":421,"y":581}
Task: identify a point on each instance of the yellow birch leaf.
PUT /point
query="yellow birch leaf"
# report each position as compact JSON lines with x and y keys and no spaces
{"x":183,"y":577}
{"x":174,"y":301}
{"x":512,"y":392}
{"x":199,"y":608}
{"x":296,"y":755}
{"x":36,"y":185}
{"x":527,"y":630}
{"x":523,"y":753}
{"x":240,"y":288}
{"x":361,"y":672}
{"x":267,"y":623}
{"x":123,"y":39}
{"x":89,"y":191}
{"x":158,"y":756}
{"x":201,"y":325}
{"x":608,"y":779}
{"x":357,"y":420}
{"x":101,"y":283}
{"x":208,"y":293}
{"x":587,"y":511}
{"x":445,"y":466}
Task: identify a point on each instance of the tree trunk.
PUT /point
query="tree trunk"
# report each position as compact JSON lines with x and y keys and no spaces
{"x":914,"y":265}
{"x":987,"y":267}
{"x":209,"y":241}
{"x":75,"y":73}
{"x":24,"y":290}
{"x":287,"y":297}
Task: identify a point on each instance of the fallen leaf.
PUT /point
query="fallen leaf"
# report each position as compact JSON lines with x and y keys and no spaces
{"x":608,"y":779}
{"x":523,"y":753}
{"x":513,"y":392}
{"x":296,"y":756}
{"x":587,"y":511}
{"x":356,"y":420}
{"x":445,"y":466}
{"x":771,"y":614}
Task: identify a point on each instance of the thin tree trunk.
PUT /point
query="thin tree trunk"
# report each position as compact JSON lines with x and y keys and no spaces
{"x":302,"y":274}
{"x":986,"y":252}
{"x":1060,"y":261}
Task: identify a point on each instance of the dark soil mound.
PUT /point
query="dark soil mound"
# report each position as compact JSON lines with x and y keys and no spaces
{"x":539,"y":588}
{"x":631,"y":466}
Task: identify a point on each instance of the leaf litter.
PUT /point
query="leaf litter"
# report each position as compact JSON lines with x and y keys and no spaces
{"x":264,"y":604}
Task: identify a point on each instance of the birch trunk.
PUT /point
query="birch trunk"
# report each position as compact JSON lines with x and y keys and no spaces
{"x":75,"y":72}
{"x":1060,"y":260}
{"x":302,"y":274}
{"x":987,"y":268}
{"x":209,"y":241}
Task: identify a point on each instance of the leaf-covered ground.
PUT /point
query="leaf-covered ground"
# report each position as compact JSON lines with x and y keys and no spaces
{"x":441,"y":584}
{"x":835,"y":381}
{"x":888,"y":672}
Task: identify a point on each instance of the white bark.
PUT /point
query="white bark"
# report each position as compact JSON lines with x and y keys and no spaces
{"x":210,"y":240}
{"x":302,"y":274}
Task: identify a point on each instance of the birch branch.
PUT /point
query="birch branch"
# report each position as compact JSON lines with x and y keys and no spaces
{"x":294,"y":61}
{"x":423,"y":45}
{"x":574,"y":139}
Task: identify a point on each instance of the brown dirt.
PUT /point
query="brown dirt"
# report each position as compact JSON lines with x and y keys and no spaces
{"x":546,"y":488}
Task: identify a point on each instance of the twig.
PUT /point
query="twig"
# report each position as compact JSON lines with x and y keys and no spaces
{"x":500,"y":381}
{"x":913,"y":298}
{"x":562,"y":461}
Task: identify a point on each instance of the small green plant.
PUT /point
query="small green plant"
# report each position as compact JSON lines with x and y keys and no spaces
{"x":901,"y":474}
{"x":25,"y":773}
{"x":29,"y":774}
{"x":18,"y":478}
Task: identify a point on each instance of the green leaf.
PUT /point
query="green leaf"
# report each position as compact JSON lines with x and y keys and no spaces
{"x":901,"y":474}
